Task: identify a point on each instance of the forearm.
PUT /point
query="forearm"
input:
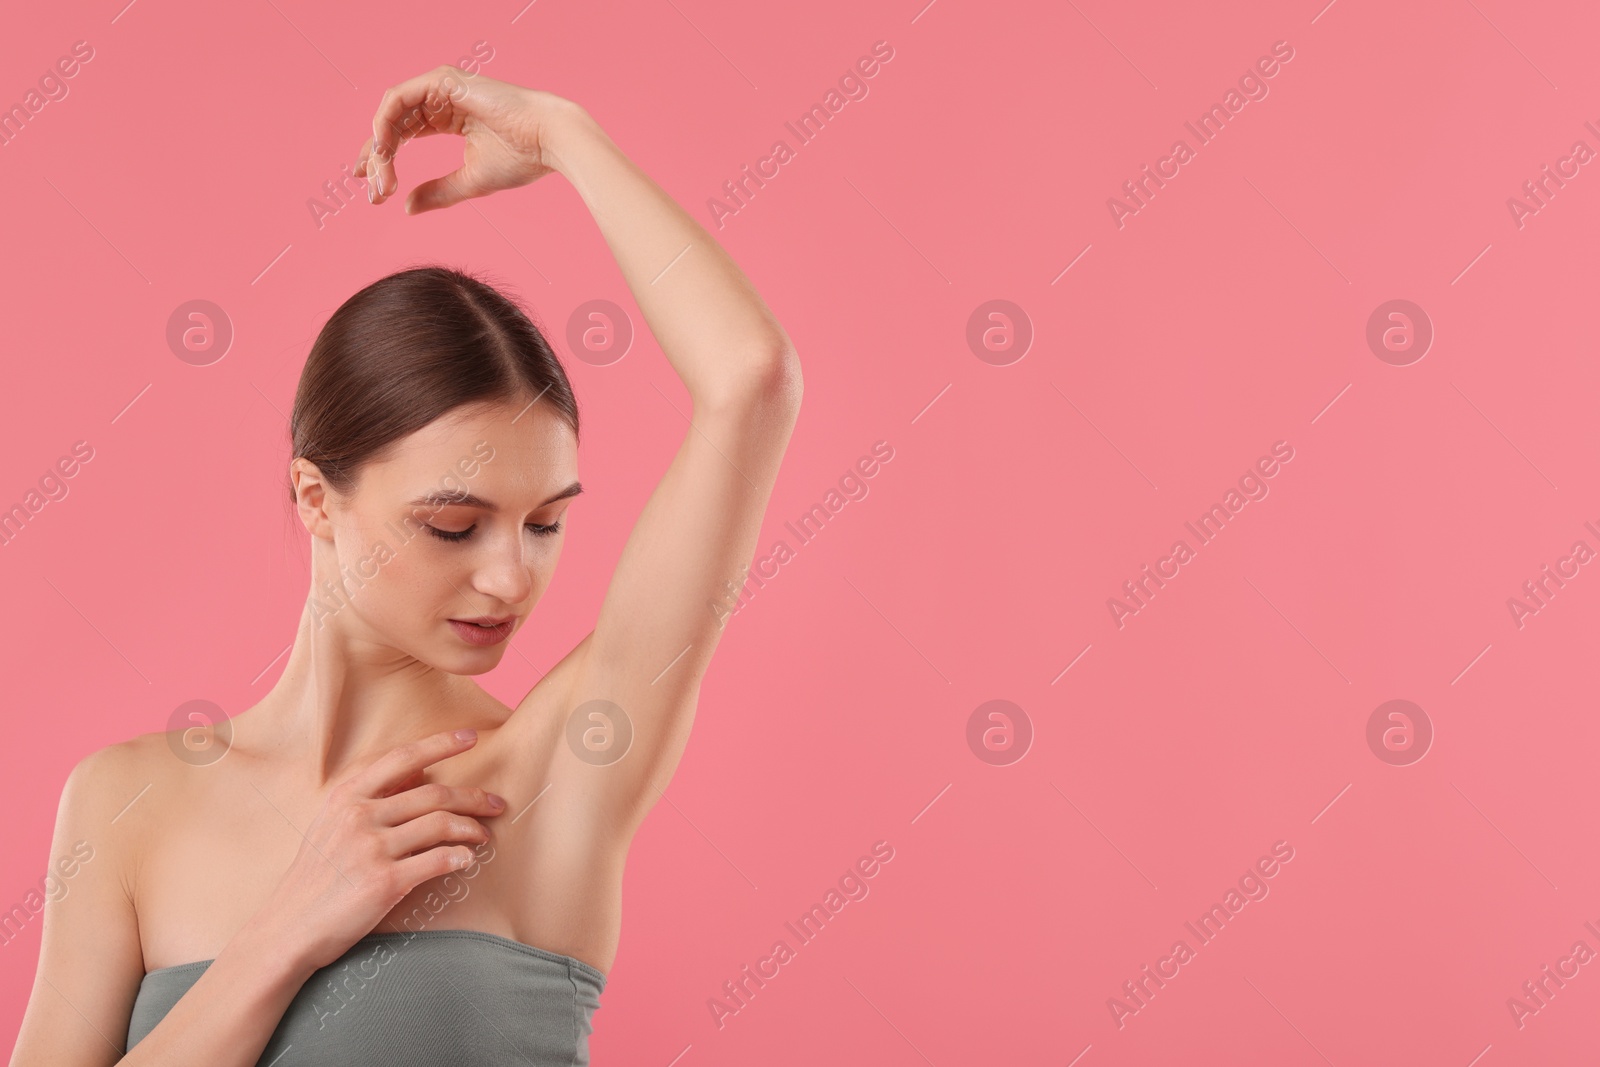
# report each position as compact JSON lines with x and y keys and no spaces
{"x":712,"y":325}
{"x":228,"y":1016}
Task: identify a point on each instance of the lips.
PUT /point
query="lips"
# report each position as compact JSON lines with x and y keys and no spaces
{"x":484,"y":629}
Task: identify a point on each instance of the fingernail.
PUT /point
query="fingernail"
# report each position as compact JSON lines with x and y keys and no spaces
{"x":466,"y":735}
{"x":371,"y":186}
{"x":496,"y":801}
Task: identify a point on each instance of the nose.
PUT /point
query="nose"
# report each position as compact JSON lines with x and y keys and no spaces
{"x":503,"y":575}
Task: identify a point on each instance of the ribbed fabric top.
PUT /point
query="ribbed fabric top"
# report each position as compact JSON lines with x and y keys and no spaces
{"x":433,"y":998}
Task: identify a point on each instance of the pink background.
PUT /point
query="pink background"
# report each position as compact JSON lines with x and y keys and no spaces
{"x":1228,"y":314}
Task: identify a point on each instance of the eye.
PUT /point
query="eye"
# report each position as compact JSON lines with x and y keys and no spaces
{"x":537,"y":529}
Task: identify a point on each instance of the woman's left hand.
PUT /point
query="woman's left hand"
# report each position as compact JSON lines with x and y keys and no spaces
{"x":509,"y":133}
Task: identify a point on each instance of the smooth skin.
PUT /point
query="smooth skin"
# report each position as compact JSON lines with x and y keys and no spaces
{"x":345,"y":802}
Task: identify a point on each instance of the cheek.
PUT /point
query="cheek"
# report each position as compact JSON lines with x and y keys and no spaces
{"x":415,"y":570}
{"x":394,"y":574}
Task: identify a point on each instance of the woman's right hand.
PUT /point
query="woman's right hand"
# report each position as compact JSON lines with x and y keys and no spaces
{"x":509,"y":134}
{"x":372,"y":843}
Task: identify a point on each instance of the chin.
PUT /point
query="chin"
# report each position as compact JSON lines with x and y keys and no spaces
{"x":479,"y":662}
{"x":451,"y":656}
{"x":458,"y":657}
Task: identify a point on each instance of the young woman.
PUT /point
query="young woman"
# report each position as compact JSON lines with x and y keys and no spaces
{"x":389,"y":866}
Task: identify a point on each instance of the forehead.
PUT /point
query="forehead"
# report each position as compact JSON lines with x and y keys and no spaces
{"x":513,"y":448}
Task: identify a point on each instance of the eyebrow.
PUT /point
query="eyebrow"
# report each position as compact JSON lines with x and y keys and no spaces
{"x":462,"y":498}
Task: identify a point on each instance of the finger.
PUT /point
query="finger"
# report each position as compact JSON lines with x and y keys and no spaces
{"x":363,"y":160}
{"x":386,"y":773}
{"x":412,"y":781}
{"x":436,"y":827}
{"x":364,"y":156}
{"x":436,"y":193}
{"x":398,"y":119}
{"x":436,"y":796}
{"x":414,"y":870}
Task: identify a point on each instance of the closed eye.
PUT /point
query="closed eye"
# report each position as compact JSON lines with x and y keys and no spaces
{"x":537,"y":529}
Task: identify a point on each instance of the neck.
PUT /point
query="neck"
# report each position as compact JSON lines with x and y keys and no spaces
{"x":344,"y":699}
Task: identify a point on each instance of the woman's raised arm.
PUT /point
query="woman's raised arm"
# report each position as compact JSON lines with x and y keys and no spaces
{"x":662,"y":615}
{"x":664,"y":611}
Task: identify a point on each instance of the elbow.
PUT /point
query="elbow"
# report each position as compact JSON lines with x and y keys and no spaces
{"x":783,"y":382}
{"x":773,"y":382}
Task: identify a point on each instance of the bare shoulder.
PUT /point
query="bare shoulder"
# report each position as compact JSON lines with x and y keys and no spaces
{"x":122,"y":807}
{"x":92,"y":818}
{"x":111,"y":796}
{"x":110,"y":779}
{"x":90,"y":956}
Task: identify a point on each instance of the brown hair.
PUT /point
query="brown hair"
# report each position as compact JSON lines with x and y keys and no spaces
{"x":404,"y":351}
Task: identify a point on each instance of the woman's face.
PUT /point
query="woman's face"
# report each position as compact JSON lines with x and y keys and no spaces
{"x":460,"y":526}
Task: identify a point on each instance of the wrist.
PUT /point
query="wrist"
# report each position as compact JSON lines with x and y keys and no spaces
{"x":564,"y":132}
{"x":281,"y":957}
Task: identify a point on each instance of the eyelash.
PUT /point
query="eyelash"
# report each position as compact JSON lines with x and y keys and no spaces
{"x":461,"y":535}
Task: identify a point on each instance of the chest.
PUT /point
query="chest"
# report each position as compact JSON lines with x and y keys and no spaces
{"x":205,"y":876}
{"x":549,"y":876}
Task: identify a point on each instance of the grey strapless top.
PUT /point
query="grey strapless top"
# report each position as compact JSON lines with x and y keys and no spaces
{"x":433,"y":998}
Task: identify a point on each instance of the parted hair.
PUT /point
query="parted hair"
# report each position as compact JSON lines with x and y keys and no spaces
{"x":404,"y":351}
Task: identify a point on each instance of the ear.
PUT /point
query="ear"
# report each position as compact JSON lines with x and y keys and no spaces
{"x":313,"y":497}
